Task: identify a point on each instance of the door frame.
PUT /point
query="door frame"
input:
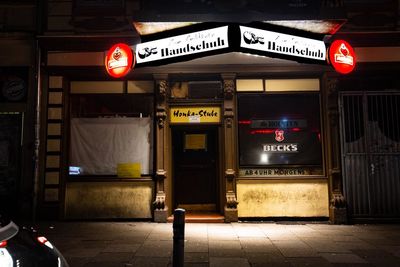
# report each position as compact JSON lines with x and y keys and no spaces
{"x":219,"y":160}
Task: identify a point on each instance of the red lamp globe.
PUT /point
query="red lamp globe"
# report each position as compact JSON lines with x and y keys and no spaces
{"x":342,"y":56}
{"x":119,"y":60}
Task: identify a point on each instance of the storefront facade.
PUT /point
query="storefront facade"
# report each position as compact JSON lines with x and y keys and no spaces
{"x":240,"y":136}
{"x":209,"y":142}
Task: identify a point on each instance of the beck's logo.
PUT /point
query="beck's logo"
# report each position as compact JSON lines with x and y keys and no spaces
{"x":279,"y":135}
{"x":281,"y":148}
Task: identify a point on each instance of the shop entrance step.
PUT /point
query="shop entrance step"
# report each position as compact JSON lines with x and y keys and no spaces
{"x":200,"y":217}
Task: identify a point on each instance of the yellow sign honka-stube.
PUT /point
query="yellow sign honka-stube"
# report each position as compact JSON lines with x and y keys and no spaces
{"x":195,"y":114}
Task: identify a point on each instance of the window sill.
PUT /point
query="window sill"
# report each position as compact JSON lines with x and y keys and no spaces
{"x":108,"y":179}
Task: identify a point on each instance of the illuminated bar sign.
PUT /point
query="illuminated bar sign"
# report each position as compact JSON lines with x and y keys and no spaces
{"x":183,"y":45}
{"x":282,"y":44}
{"x":195,"y":114}
{"x":342,"y":56}
{"x":119,"y":60}
{"x":205,"y":39}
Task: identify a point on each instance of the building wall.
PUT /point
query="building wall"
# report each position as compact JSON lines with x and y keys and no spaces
{"x":17,"y":60}
{"x":283,"y":198}
{"x":108,"y":200}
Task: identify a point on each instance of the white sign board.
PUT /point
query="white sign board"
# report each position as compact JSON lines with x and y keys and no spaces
{"x":183,"y":45}
{"x":284,"y":44}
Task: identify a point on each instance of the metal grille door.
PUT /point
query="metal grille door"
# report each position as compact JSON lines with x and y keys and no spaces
{"x":370,"y":134}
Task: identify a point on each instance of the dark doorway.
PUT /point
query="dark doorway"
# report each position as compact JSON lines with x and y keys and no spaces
{"x":195,"y":166}
{"x":370,"y":134}
{"x":10,"y":161}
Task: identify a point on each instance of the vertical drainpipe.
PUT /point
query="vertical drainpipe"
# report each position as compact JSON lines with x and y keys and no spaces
{"x":37,"y":135}
{"x":39,"y":9}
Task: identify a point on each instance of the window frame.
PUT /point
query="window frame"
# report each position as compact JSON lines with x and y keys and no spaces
{"x":244,"y":170}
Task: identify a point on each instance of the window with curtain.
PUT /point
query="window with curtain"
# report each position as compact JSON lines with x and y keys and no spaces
{"x":108,"y":131}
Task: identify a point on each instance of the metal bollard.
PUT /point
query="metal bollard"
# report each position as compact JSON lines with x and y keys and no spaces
{"x":179,"y":238}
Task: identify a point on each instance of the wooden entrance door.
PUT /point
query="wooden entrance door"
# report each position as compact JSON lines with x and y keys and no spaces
{"x":195,"y":165}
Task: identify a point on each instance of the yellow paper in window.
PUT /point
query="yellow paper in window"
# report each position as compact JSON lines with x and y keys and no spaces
{"x":195,"y":141}
{"x":131,"y":170}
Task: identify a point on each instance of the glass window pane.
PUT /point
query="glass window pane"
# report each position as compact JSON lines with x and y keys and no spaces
{"x":107,"y":131}
{"x":279,"y":130}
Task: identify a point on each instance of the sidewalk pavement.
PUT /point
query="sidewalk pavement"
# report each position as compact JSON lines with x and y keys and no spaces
{"x":147,"y":244}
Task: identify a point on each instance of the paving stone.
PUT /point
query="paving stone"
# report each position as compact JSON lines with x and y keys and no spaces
{"x":224,"y":262}
{"x":93,"y":243}
{"x":243,"y":230}
{"x":222,"y":233}
{"x":105,"y":264}
{"x":326,"y":245}
{"x":196,"y":246}
{"x":309,"y":262}
{"x":355,"y":245}
{"x":155,"y":249}
{"x":150,"y":261}
{"x":198,"y":257}
{"x":112,"y":256}
{"x":294,"y":248}
{"x":261,"y":258}
{"x":196,"y":264}
{"x":225,"y":249}
{"x":275,"y":264}
{"x":394,"y":250}
{"x":342,"y":258}
{"x":115,"y":247}
{"x":129,"y":239}
{"x":81,"y":252}
{"x":379,"y":258}
{"x":77,"y":262}
{"x":352,"y":265}
{"x":257,"y":245}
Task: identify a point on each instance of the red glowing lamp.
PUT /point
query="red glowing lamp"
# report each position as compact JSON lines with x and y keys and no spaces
{"x":342,"y":57}
{"x":119,"y":60}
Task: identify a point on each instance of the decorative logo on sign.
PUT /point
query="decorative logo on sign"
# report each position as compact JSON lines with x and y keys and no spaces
{"x":251,"y":38}
{"x":342,"y":56}
{"x":14,"y":88}
{"x":146,"y":52}
{"x":119,"y":60}
{"x":279,"y":135}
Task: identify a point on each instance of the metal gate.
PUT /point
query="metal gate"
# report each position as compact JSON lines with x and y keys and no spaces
{"x":370,"y":137}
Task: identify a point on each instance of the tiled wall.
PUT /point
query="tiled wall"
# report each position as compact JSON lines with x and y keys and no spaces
{"x":54,"y":124}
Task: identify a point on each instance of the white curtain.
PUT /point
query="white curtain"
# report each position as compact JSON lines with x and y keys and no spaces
{"x":99,"y":144}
